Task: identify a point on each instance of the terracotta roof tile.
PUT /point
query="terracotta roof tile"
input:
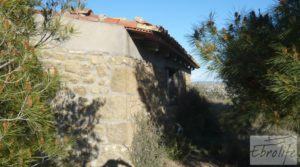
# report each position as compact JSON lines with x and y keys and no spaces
{"x":92,"y":18}
{"x":125,"y":23}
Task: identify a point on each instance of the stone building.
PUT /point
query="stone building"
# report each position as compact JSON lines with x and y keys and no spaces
{"x":128,"y":67}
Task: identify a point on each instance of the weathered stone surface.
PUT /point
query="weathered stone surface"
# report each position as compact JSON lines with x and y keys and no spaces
{"x":120,"y":133}
{"x":79,"y":57}
{"x":86,"y":68}
{"x":58,"y":56}
{"x":124,"y":81}
{"x":113,"y":78}
{"x":76,"y":68}
{"x":96,"y":90}
{"x":46,"y":55}
{"x":70,"y":78}
{"x":115,"y":107}
{"x":122,"y":60}
{"x":80,"y":90}
{"x":100,"y":130}
{"x":88,"y":80}
{"x":97,"y":59}
{"x":103,"y":82}
{"x":102,"y":70}
{"x":134,"y":105}
{"x":73,"y":67}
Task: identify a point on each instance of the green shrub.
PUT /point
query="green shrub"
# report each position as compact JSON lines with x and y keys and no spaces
{"x":179,"y":147}
{"x":147,"y":149}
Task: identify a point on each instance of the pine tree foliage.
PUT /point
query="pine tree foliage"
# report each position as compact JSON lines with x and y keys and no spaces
{"x":257,"y":56}
{"x":27,"y":132}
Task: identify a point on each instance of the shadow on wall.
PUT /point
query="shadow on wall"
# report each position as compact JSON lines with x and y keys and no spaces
{"x":76,"y":119}
{"x":158,"y":88}
{"x":203,"y":137}
{"x":152,"y":90}
{"x":116,"y":163}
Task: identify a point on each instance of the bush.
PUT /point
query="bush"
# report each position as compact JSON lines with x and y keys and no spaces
{"x":179,"y":147}
{"x":147,"y":149}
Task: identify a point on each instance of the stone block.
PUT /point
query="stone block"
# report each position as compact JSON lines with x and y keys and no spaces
{"x":76,"y":68}
{"x":54,"y":55}
{"x":79,"y":57}
{"x":122,"y":60}
{"x":96,"y":90}
{"x":97,"y":59}
{"x":133,"y":105}
{"x":124,"y":81}
{"x":102,"y":70}
{"x":70,"y":78}
{"x":88,"y":79}
{"x":114,"y":108}
{"x":120,"y":133}
{"x":100,"y":130}
{"x":101,"y":82}
{"x":80,"y":90}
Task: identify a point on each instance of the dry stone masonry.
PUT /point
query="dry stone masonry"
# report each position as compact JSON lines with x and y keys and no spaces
{"x":112,"y":79}
{"x":113,"y":73}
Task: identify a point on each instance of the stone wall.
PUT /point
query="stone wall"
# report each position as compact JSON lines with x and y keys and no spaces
{"x":112,"y":79}
{"x":125,"y":85}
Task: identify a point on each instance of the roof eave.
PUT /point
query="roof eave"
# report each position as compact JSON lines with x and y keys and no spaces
{"x":170,"y":42}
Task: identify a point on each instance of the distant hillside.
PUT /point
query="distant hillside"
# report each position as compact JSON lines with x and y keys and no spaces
{"x":213,"y":91}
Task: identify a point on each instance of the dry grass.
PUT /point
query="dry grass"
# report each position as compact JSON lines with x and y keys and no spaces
{"x":147,"y":149}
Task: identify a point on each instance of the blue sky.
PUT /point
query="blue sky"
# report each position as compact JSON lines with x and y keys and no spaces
{"x":178,"y":16}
